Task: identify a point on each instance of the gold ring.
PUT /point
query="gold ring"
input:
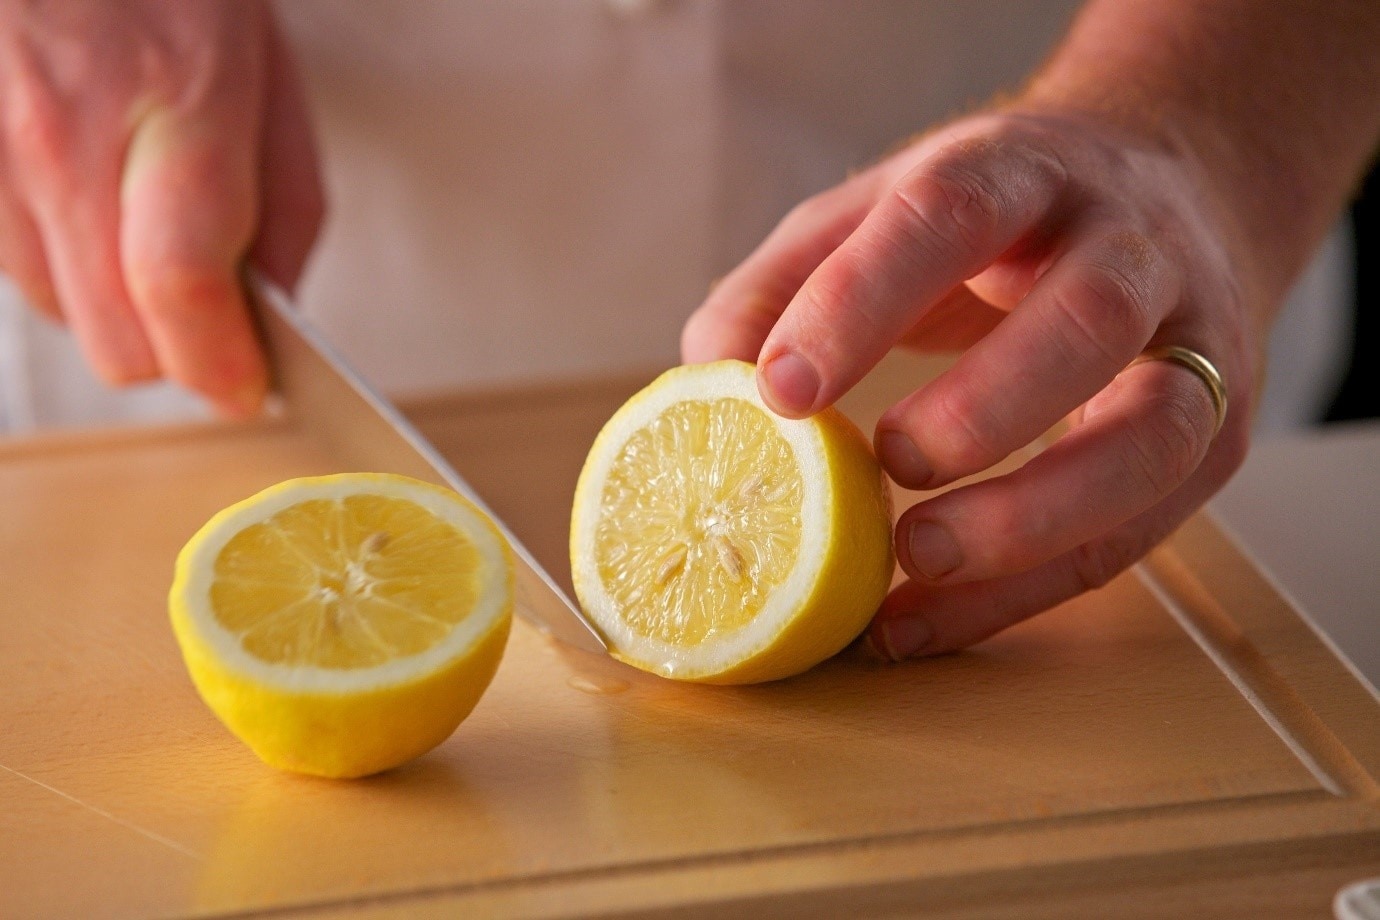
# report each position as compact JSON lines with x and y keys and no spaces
{"x":1205,"y":369}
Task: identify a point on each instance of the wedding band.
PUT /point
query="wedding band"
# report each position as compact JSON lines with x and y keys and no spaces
{"x":1205,"y":369}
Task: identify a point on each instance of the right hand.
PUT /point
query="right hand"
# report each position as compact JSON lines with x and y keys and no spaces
{"x":147,"y":149}
{"x":1051,"y":248}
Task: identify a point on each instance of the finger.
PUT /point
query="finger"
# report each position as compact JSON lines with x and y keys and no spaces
{"x":63,"y":174}
{"x":1153,"y":428}
{"x":921,"y":618}
{"x":189,"y":203}
{"x":22,"y":258}
{"x":77,"y":219}
{"x":292,"y":203}
{"x":743,"y":306}
{"x":957,"y":321}
{"x":940,"y":224}
{"x":1088,"y":316}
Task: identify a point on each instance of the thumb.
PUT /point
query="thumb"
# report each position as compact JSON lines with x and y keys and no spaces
{"x":188,"y":209}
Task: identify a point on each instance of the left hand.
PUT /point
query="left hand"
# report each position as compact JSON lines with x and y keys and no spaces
{"x":1052,"y":249}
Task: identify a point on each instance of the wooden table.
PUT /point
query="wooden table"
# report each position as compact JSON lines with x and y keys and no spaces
{"x":1177,"y":742}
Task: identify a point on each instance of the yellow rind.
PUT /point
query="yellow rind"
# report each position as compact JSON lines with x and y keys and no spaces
{"x":348,"y":734}
{"x":345,"y":735}
{"x":849,"y":586}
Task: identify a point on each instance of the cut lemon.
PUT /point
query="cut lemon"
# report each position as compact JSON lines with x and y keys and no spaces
{"x":712,"y":540}
{"x":342,"y":625}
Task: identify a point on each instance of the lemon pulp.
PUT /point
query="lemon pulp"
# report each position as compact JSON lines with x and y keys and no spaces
{"x":693,"y":538}
{"x":344,"y":583}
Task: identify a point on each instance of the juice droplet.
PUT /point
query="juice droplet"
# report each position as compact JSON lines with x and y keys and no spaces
{"x":597,"y":684}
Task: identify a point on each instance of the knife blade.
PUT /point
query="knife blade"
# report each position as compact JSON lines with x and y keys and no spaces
{"x":323,"y":394}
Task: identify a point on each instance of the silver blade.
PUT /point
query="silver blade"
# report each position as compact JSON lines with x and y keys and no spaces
{"x":361,"y":427}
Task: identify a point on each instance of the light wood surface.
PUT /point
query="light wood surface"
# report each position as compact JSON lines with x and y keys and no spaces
{"x":1176,"y":742}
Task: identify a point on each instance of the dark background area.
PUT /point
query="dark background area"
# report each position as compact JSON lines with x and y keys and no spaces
{"x":1356,"y":397}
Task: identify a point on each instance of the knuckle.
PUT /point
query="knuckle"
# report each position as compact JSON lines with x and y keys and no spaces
{"x":1017,"y":532}
{"x":1128,"y":274}
{"x":216,"y":177}
{"x":176,"y":291}
{"x":1110,"y":298}
{"x":39,"y":129}
{"x":968,"y":435}
{"x":948,"y":207}
{"x":826,"y":318}
{"x":1103,"y":313}
{"x":829,"y":302}
{"x":1043,"y":162}
{"x":1106,"y":311}
{"x":1165,"y":446}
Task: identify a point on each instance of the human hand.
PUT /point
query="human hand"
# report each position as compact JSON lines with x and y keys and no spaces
{"x":147,"y":148}
{"x":1052,"y":250}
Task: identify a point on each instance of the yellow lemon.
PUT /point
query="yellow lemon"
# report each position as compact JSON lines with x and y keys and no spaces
{"x":712,"y":540}
{"x":341,"y":625}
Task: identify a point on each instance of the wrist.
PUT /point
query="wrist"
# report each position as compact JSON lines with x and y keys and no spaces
{"x":1269,"y":108}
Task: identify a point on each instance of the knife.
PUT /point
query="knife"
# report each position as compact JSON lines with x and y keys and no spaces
{"x":324,"y":395}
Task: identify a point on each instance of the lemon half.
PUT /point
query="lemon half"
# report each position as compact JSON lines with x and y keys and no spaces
{"x":712,"y":540}
{"x":342,"y":625}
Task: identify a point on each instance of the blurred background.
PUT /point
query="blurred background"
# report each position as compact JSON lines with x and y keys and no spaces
{"x":1358,"y":394}
{"x":537,"y":191}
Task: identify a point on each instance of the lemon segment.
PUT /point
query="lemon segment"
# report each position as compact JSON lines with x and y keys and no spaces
{"x":714,"y":541}
{"x":341,"y":625}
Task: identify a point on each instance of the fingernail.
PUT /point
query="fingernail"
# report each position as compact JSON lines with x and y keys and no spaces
{"x":902,"y":460}
{"x":933,"y":551}
{"x":903,"y":637}
{"x":792,"y":384}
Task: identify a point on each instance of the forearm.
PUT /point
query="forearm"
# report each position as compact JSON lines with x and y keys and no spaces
{"x":1277,"y":100}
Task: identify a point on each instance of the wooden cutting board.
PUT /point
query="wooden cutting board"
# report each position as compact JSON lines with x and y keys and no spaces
{"x":1179,"y":741}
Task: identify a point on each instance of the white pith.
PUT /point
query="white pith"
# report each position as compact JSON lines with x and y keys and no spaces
{"x":722,"y":651}
{"x":199,"y":572}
